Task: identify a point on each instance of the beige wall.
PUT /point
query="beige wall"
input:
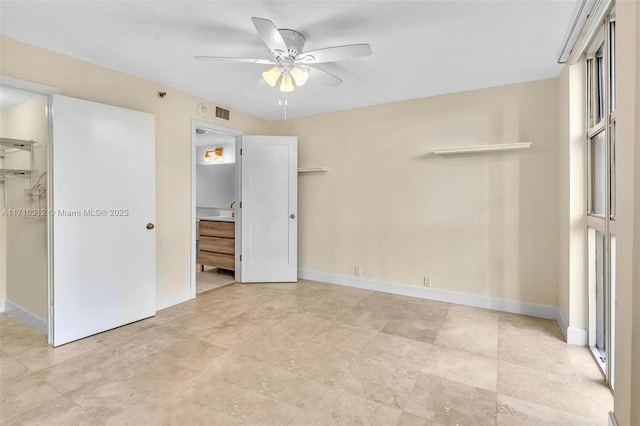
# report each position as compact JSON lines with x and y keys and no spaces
{"x":484,"y":224}
{"x":3,"y":238}
{"x":572,"y":293}
{"x":173,"y":141}
{"x":635,"y":257}
{"x":480,"y":224}
{"x":26,"y":237}
{"x":627,"y":356}
{"x":563,"y":191}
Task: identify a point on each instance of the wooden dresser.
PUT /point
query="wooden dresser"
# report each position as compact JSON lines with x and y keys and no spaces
{"x":217,"y":244}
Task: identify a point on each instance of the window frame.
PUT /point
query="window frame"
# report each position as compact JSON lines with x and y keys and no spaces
{"x":602,"y":222}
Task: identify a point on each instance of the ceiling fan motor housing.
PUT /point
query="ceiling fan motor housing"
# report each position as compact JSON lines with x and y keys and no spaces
{"x":294,"y":41}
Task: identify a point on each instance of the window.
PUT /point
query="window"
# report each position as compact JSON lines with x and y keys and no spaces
{"x":597,"y":171}
{"x":601,"y":183}
{"x":612,"y":302}
{"x":597,"y":261}
{"x":612,"y":171}
{"x":612,"y":64}
{"x":599,"y":95}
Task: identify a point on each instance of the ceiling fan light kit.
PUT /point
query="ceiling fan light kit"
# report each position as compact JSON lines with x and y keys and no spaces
{"x":271,"y":76}
{"x":286,"y":84}
{"x":289,"y":65}
{"x":287,"y":77}
{"x":300,"y":75}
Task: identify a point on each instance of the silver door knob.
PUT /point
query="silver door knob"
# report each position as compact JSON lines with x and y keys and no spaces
{"x":293,"y":216}
{"x":150,"y":226}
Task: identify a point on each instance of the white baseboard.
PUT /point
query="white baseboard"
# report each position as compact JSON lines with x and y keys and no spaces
{"x":612,"y":419}
{"x":577,"y":336}
{"x":504,"y":305}
{"x":26,"y":316}
{"x":563,"y":323}
{"x":573,"y":335}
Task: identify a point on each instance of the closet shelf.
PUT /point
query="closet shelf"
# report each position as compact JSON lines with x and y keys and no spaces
{"x":313,"y":170}
{"x":15,"y":173}
{"x":8,"y":143}
{"x":477,"y":149}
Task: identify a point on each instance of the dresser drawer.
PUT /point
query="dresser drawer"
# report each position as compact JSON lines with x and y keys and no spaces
{"x":212,"y":228}
{"x":218,"y":260}
{"x":220,"y":245}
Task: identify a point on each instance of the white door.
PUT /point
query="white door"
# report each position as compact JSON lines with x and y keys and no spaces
{"x":103,"y":200}
{"x":268,"y":214}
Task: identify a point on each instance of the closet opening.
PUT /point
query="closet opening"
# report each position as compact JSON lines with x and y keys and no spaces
{"x":24,"y":270}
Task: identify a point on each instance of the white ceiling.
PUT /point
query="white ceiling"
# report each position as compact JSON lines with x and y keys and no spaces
{"x":420,"y":48}
{"x":10,"y":97}
{"x":211,"y":139}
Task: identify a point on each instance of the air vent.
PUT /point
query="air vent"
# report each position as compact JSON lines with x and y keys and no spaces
{"x":222,"y":113}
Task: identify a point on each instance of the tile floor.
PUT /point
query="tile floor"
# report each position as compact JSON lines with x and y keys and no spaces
{"x":212,"y":278}
{"x":304,"y":354}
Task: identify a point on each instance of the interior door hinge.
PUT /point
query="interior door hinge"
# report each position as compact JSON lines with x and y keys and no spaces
{"x":240,"y":258}
{"x":240,"y":151}
{"x":240,"y":204}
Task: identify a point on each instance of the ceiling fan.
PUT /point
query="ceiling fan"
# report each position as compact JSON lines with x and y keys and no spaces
{"x":290,"y":65}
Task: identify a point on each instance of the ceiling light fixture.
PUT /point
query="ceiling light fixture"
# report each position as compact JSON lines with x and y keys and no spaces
{"x":289,"y":78}
{"x":271,"y":76}
{"x":286,"y":83}
{"x":217,"y":154}
{"x":300,"y":75}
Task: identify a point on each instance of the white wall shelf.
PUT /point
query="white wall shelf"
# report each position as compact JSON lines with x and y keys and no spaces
{"x":478,"y":149}
{"x":15,"y":173}
{"x":19,"y":144}
{"x":313,"y":170}
{"x":8,"y":143}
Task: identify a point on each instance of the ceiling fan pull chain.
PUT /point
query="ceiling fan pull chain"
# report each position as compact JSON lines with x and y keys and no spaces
{"x":284,"y":103}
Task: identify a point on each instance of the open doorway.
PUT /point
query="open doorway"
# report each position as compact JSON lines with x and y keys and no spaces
{"x":24,"y":142}
{"x":214,"y":202}
{"x":257,"y":237}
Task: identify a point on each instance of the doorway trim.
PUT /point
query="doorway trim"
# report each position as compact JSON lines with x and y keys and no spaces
{"x":223,"y":131}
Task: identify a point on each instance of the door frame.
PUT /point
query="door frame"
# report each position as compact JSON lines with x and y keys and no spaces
{"x":193,"y":256}
{"x":47,"y":91}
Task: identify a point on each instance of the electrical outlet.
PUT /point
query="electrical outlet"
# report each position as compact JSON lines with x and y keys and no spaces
{"x":356,"y":271}
{"x":426,"y":281}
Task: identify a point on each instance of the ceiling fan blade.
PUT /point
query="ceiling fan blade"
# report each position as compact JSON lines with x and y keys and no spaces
{"x":270,"y":35}
{"x":337,"y":53}
{"x":321,"y":76}
{"x":249,"y":60}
